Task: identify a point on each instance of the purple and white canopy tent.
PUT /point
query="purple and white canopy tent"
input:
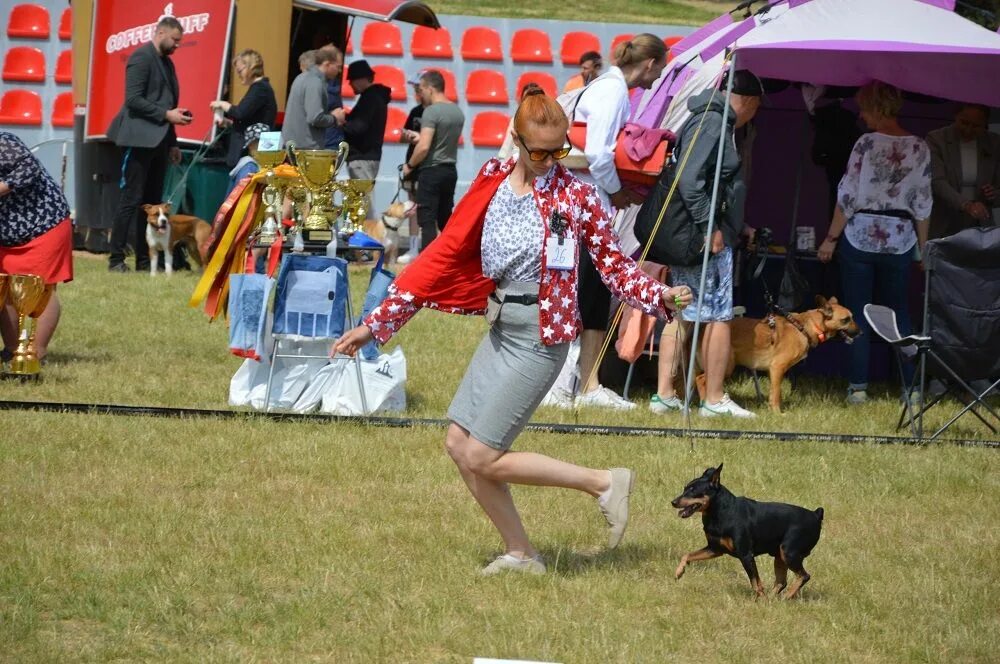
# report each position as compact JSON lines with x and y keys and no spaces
{"x":919,"y":46}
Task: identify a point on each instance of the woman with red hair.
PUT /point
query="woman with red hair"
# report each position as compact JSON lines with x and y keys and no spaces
{"x":511,"y":250}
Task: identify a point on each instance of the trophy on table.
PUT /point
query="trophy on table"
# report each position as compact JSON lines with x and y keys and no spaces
{"x":273,"y":193}
{"x":318,"y":168}
{"x":30,"y":296}
{"x":356,"y":203}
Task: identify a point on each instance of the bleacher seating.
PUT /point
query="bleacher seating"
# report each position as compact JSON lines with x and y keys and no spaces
{"x":479,"y":43}
{"x":29,"y":22}
{"x":64,"y":67}
{"x":430,"y":43}
{"x":545,"y":80}
{"x":66,"y":25}
{"x":486,"y":86}
{"x":489,"y":129}
{"x":530,"y":45}
{"x":346,"y":91}
{"x":619,"y":39}
{"x":393,"y":78}
{"x":350,"y":46}
{"x":20,"y":107}
{"x":381,"y":39}
{"x":575,"y":44}
{"x":24,"y":63}
{"x":62,"y":110}
{"x":394,"y":122}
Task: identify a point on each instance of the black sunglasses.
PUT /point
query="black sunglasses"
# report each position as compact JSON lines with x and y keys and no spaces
{"x":540,"y":155}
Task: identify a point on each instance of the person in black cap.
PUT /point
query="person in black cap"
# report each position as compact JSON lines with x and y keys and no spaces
{"x":691,"y":204}
{"x":365,"y":126}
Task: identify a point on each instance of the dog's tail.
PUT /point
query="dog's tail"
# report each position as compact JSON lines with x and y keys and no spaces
{"x":819,"y":512}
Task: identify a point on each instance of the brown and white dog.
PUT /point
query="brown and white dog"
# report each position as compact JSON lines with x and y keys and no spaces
{"x":164,"y":231}
{"x":756,"y":345}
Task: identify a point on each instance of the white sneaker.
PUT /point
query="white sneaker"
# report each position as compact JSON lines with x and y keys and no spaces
{"x":725,"y":407}
{"x":559,"y":398}
{"x":602,"y":397}
{"x":507,"y":562}
{"x":669,"y":405}
{"x":405,"y":258}
{"x":856,"y":397}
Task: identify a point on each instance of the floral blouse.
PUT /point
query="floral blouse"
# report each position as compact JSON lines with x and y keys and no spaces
{"x":512,"y":237}
{"x":35,"y":204}
{"x":885,"y":173}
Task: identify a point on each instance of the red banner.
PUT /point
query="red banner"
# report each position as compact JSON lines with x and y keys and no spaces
{"x":122,"y":26}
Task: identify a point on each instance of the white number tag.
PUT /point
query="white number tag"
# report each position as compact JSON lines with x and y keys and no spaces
{"x":560,"y":256}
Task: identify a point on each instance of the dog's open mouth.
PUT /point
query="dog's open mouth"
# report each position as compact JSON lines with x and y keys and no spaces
{"x":688,"y":510}
{"x":847,"y":338}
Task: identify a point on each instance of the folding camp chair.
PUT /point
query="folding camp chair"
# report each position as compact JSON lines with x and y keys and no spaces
{"x":961,"y":326}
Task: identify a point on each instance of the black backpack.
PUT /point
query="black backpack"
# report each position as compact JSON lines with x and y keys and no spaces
{"x":678,"y":240}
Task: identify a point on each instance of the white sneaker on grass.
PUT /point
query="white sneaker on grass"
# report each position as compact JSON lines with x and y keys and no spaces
{"x":507,"y":562}
{"x":725,"y":407}
{"x":856,"y":397}
{"x":559,"y":398}
{"x":602,"y":397}
{"x":671,"y":404}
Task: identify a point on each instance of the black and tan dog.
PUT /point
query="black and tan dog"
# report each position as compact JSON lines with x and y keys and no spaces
{"x":745,"y":528}
{"x":758,"y":345}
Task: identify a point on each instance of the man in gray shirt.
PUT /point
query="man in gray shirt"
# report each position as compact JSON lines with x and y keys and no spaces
{"x":306,"y":117}
{"x":434,"y":157}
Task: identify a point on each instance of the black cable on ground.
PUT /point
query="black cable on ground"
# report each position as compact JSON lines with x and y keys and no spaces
{"x":404,"y":422}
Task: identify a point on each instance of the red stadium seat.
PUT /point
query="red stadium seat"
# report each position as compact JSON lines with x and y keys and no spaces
{"x":394,"y":122}
{"x":489,"y":129}
{"x":279,"y":120}
{"x":21,"y":107}
{"x":575,"y":44}
{"x":670,"y":41}
{"x":547,"y":81}
{"x":24,"y":63}
{"x":31,"y":21}
{"x":619,"y":39}
{"x":430,"y":43}
{"x":350,"y":47}
{"x":66,"y":25}
{"x":482,"y":44}
{"x":531,"y":46}
{"x":381,"y":39}
{"x":346,"y":91}
{"x":393,"y":78}
{"x":64,"y":67}
{"x":450,"y":86}
{"x":62,"y":110}
{"x":486,"y":86}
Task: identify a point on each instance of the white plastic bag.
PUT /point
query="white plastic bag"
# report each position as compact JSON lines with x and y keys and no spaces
{"x":385,"y":386}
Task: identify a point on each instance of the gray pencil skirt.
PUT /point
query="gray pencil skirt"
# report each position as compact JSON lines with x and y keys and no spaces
{"x":510,"y":373}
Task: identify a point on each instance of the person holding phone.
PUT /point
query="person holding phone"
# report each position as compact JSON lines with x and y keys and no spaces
{"x":144,"y":130}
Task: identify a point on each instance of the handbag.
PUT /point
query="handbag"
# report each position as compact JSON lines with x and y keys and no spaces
{"x":643,"y":171}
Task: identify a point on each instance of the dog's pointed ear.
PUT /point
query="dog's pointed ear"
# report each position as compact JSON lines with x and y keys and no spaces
{"x":832,"y":301}
{"x":823,"y":305}
{"x":146,"y":208}
{"x":167,"y":207}
{"x":716,"y":472}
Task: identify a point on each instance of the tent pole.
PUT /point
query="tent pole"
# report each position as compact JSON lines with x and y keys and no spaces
{"x":708,"y":245}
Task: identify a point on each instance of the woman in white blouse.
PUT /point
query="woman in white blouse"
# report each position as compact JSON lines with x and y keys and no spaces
{"x":883,"y":210}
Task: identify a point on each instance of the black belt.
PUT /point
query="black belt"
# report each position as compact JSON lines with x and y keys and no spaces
{"x":527,"y":299}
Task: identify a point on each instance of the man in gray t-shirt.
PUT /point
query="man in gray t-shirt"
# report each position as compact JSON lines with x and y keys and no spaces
{"x":306,"y":117}
{"x":434,"y":156}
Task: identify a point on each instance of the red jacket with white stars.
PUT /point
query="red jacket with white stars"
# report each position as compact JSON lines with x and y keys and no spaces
{"x":448,"y":275}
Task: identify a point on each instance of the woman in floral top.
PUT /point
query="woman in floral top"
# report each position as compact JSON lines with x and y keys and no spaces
{"x":883,"y":211}
{"x":511,"y":249}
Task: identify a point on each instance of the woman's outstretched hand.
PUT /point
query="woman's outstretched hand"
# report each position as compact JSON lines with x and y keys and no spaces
{"x":352,"y":341}
{"x":677,"y":298}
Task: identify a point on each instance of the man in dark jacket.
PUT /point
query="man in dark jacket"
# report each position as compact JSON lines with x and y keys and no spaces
{"x":687,"y":216}
{"x":144,"y":129}
{"x":365,"y":126}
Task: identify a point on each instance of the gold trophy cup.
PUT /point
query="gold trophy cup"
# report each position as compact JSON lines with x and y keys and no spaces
{"x":357,"y":202}
{"x":269,"y":160}
{"x":29,"y":295}
{"x":317,"y":169}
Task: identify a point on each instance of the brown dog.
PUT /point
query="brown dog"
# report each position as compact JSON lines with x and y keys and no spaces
{"x":756,"y":345}
{"x":164,"y":231}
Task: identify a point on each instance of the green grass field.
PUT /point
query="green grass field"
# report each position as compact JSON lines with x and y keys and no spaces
{"x":144,"y":539}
